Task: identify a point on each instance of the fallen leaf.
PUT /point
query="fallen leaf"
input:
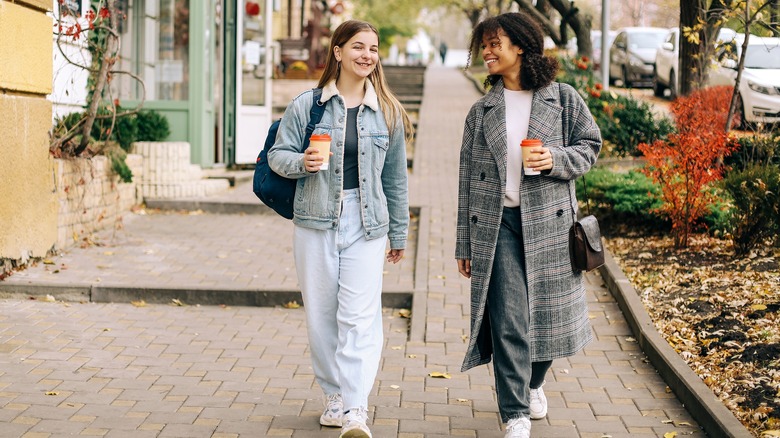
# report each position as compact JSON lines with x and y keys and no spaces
{"x":758,"y":307}
{"x":108,"y":253}
{"x":671,"y":434}
{"x":177,"y":302}
{"x":770,"y":433}
{"x":291,"y":305}
{"x":140,"y":303}
{"x":463,"y":400}
{"x":412,"y":356}
{"x":394,"y":386}
{"x":52,"y":393}
{"x":404,"y":313}
{"x":49,"y":299}
{"x":397,"y":347}
{"x":440,"y":375}
{"x":48,"y":262}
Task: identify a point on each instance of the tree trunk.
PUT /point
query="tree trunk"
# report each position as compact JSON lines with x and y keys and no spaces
{"x":691,"y":12}
{"x":694,"y":60}
{"x":108,"y":57}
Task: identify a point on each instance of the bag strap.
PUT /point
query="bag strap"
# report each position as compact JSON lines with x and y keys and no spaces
{"x":315,"y":115}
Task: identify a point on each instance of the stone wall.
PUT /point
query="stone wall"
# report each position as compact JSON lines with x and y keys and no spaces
{"x":168,"y":172}
{"x":91,"y":197}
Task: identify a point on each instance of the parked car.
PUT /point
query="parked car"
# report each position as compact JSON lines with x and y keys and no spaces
{"x":759,"y":87}
{"x":632,"y":55}
{"x":667,"y":59}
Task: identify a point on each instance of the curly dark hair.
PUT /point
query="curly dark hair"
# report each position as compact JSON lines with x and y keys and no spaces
{"x":536,"y":70}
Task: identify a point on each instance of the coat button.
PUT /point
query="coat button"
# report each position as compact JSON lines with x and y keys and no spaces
{"x":473,"y":219}
{"x":482,"y":176}
{"x":337,"y":171}
{"x":559,"y":213}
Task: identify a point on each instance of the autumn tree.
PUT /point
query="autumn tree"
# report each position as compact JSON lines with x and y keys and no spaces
{"x":570,"y":17}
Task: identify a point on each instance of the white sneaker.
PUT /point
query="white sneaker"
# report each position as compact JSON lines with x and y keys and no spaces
{"x":518,"y":428}
{"x":538,"y":403}
{"x":355,"y":424}
{"x":334,"y":411}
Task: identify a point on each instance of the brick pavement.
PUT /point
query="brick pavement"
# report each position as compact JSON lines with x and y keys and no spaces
{"x":114,"y":369}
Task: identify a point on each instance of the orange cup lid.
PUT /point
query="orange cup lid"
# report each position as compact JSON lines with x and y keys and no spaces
{"x":530,"y":142}
{"x":320,"y":137}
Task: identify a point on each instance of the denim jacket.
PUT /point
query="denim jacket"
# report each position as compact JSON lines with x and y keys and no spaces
{"x":382,"y":170}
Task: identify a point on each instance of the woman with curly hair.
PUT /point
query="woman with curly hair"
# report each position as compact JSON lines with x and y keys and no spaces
{"x":528,"y":304}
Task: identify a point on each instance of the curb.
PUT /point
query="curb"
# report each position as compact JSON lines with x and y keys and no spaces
{"x":216,"y":207}
{"x":711,"y":414}
{"x":105,"y":293}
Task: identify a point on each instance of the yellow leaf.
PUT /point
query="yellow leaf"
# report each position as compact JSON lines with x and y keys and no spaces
{"x":177,"y":302}
{"x":394,"y":386}
{"x":52,"y":393}
{"x":770,"y":433}
{"x":404,"y":313}
{"x":140,"y":303}
{"x":291,"y":305}
{"x":670,"y":434}
{"x":463,"y":400}
{"x":440,"y":375}
{"x":758,"y":307}
{"x":106,"y":329}
{"x":412,"y":356}
{"x":396,"y":347}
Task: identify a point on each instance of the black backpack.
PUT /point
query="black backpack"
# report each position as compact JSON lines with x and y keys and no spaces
{"x":275,"y":190}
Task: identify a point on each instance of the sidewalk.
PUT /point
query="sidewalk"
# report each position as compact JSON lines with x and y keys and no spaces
{"x":221,"y":366}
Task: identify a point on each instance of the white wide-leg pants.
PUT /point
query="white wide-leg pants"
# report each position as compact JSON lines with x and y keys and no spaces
{"x":340,"y":274}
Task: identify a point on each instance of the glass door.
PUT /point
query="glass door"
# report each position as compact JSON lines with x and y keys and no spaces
{"x":253,"y":77}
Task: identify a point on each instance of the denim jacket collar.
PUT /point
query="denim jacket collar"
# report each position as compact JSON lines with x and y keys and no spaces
{"x":370,"y":99}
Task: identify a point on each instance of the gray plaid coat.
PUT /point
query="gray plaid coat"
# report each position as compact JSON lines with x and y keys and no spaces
{"x":556,"y":293}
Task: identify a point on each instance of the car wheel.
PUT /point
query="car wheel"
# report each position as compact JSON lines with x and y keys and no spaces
{"x":658,"y":87}
{"x":626,"y":82}
{"x":672,"y":85}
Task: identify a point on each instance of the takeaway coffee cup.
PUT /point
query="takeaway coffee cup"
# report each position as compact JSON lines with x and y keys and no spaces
{"x":526,"y":145}
{"x":322,"y":143}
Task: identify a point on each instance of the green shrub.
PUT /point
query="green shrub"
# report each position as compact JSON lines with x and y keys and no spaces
{"x":755,"y":192}
{"x":755,"y":149}
{"x":152,"y":126}
{"x":620,"y":197}
{"x":624,"y":122}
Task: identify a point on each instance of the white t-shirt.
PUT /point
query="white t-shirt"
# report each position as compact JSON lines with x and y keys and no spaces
{"x":518,"y":115}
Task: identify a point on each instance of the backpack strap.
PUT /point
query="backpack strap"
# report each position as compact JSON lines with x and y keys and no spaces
{"x":315,"y":115}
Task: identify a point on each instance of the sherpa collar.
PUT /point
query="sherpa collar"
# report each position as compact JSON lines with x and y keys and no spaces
{"x":370,"y":100}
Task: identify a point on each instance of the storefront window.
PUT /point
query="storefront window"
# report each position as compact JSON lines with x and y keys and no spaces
{"x":172,"y":66}
{"x":155,"y":47}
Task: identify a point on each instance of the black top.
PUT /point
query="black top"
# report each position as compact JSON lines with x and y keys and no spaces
{"x":351,"y":171}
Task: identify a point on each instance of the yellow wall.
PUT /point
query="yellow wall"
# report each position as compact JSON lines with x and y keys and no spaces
{"x":28,"y":206}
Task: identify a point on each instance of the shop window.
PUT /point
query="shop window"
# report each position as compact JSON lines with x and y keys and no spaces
{"x":155,"y":47}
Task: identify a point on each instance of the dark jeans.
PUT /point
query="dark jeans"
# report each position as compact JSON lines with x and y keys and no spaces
{"x":507,"y":307}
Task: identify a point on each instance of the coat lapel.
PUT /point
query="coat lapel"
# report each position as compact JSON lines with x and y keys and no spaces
{"x":495,"y":127}
{"x":545,"y":112}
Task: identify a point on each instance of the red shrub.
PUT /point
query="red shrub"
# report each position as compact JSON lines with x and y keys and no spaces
{"x":691,"y":158}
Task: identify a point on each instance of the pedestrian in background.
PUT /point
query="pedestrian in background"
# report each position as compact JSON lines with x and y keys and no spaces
{"x":528,"y":305}
{"x":344,"y":216}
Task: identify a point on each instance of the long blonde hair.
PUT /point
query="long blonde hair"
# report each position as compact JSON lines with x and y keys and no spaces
{"x":391,"y":107}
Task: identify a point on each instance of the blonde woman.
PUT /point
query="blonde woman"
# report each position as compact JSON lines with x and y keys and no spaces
{"x":344,"y":217}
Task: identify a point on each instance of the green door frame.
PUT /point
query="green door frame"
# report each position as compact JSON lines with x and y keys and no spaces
{"x":229,"y":82}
